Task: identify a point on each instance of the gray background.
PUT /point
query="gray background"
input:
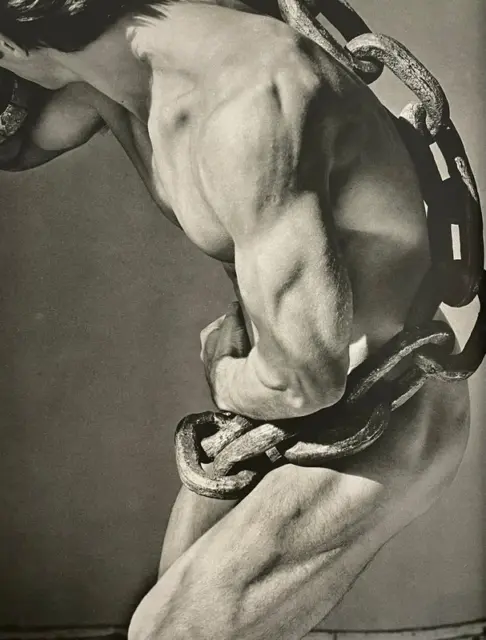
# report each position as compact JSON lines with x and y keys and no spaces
{"x":102,"y":303}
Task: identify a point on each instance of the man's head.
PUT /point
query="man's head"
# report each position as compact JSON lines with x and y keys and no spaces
{"x":32,"y":30}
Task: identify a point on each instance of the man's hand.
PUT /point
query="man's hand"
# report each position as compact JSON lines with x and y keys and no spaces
{"x":223,"y":338}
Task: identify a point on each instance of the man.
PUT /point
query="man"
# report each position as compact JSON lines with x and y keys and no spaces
{"x":278,"y":162}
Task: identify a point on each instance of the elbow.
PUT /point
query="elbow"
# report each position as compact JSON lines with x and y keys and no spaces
{"x":313,"y":393}
{"x":11,"y":153}
{"x":286,"y":389}
{"x":312,"y":387}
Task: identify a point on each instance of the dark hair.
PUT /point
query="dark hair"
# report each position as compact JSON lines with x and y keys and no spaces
{"x":67,"y":25}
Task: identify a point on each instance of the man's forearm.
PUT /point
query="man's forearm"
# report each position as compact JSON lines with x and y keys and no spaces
{"x":246,"y":386}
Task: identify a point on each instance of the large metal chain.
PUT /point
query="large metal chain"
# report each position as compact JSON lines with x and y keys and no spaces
{"x":243,"y":450}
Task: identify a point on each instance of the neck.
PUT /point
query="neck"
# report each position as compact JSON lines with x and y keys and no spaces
{"x":110,"y":66}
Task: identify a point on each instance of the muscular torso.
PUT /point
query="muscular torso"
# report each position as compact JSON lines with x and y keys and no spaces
{"x":259,"y":71}
{"x":255,"y":75}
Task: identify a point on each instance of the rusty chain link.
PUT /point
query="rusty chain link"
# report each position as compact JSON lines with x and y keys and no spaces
{"x":303,"y":17}
{"x":13,"y":109}
{"x":243,"y":450}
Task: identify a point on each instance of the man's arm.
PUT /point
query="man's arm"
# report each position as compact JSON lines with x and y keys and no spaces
{"x":275,"y":566}
{"x":293,"y":283}
{"x":59,"y":122}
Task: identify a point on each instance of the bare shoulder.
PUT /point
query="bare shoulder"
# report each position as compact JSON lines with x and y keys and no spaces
{"x":278,"y":132}
{"x":258,"y":139}
{"x":246,"y":152}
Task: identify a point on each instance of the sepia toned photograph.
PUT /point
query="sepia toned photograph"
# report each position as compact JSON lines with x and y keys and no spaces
{"x":243,"y":320}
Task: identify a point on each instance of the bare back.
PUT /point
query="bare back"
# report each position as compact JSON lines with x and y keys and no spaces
{"x":345,"y":145}
{"x":264,"y":82}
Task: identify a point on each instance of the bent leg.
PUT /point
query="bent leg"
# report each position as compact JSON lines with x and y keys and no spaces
{"x":278,"y":563}
{"x":192,"y":515}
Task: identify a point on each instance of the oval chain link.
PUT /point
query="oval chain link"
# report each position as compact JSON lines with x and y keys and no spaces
{"x":303,"y":17}
{"x":14,"y":112}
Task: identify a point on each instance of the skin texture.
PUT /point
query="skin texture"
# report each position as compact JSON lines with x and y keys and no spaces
{"x":279,"y":163}
{"x":242,"y":580}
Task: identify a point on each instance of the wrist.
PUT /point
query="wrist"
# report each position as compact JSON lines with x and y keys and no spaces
{"x":238,"y":386}
{"x":222,"y":383}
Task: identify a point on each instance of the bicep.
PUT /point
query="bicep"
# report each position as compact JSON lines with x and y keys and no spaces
{"x":58,"y":122}
{"x":66,"y":120}
{"x":296,"y":290}
{"x":293,"y":282}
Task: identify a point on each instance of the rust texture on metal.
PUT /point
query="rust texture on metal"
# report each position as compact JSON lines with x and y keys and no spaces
{"x":243,"y":451}
{"x":14,"y":110}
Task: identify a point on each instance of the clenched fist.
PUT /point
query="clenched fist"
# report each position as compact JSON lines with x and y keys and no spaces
{"x":226,"y":337}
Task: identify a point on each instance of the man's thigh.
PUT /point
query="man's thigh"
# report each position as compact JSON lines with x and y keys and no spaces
{"x":192,"y":515}
{"x":431,"y":423}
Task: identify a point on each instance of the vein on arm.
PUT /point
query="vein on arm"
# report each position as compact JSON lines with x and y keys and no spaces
{"x":292,"y":281}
